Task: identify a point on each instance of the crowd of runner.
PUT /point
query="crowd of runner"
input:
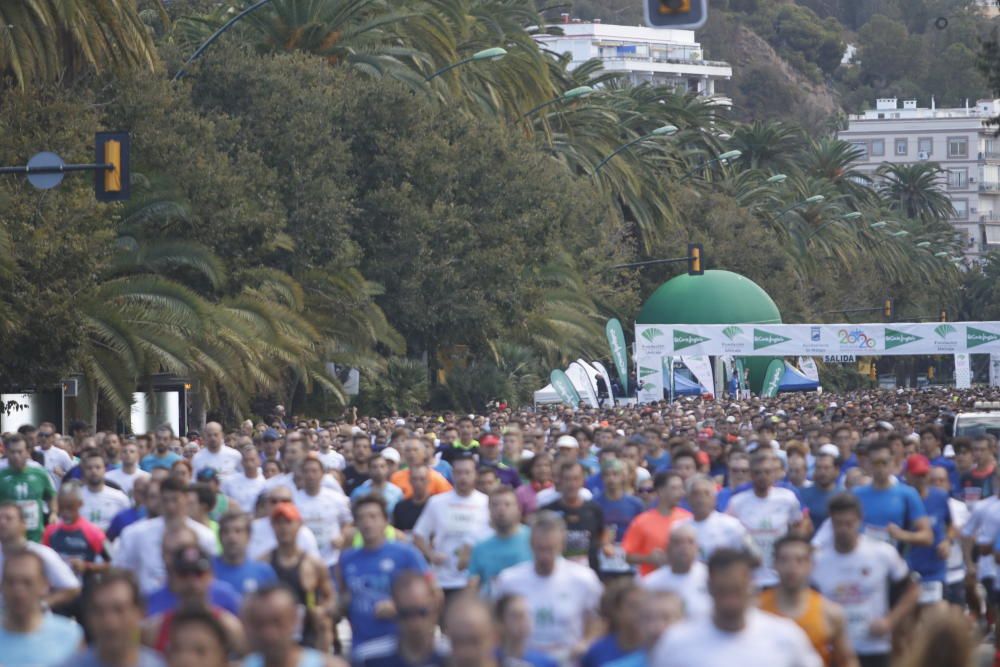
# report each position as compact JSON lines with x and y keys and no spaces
{"x":798,"y":531}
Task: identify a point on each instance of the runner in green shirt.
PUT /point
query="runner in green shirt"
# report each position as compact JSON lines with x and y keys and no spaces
{"x":30,"y":488}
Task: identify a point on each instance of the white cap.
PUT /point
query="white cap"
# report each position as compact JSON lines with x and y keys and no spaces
{"x":400,"y":422}
{"x":390,"y":454}
{"x":567,"y":441}
{"x":730,"y":419}
{"x":949,"y":451}
{"x":885,"y":426}
{"x":642,"y":475}
{"x":830,"y":449}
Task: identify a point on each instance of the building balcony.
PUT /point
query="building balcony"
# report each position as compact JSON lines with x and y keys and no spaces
{"x":991,"y":216}
{"x":989,"y":155}
{"x":628,"y":63}
{"x":989,"y":187}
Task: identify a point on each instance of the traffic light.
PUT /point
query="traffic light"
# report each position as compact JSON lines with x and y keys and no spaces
{"x":676,"y":14}
{"x":943,"y":316}
{"x":888,"y":309}
{"x":694,"y":260}
{"x":112,"y":184}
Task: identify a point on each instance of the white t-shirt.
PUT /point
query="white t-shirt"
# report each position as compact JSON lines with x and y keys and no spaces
{"x":244,"y":490}
{"x":263,"y":541}
{"x":859,"y":582}
{"x":57,"y":572}
{"x":101,"y":507}
{"x":765,"y":641}
{"x":550,"y":495}
{"x":287,"y":480}
{"x":332,"y":460}
{"x":956,"y":561}
{"x":767,"y":520}
{"x":984,"y":525}
{"x":226,"y":462}
{"x":560,"y":603}
{"x":717,"y":531}
{"x":140,"y":549}
{"x":691,"y":587}
{"x":450,"y":522}
{"x":125,"y":480}
{"x":56,"y":457}
{"x":325,"y":514}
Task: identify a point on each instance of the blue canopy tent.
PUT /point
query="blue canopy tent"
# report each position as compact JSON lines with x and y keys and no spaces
{"x":794,"y":380}
{"x":684,"y":386}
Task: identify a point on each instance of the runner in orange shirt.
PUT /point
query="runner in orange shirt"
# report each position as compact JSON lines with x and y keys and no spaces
{"x":645,"y":541}
{"x":414,"y":454}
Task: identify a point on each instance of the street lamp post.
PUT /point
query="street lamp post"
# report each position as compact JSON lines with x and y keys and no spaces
{"x":815,"y":199}
{"x":496,"y":53}
{"x":853,"y":215}
{"x":218,"y":33}
{"x":664,"y":131}
{"x":571,"y":94}
{"x":777,"y":178}
{"x":725,"y":157}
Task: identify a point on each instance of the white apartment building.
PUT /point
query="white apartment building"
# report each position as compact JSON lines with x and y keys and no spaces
{"x":662,"y":57}
{"x":958,"y":140}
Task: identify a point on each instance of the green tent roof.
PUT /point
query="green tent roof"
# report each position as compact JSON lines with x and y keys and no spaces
{"x":716,"y":297}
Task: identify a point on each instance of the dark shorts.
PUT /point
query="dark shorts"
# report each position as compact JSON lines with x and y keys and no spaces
{"x":881,"y":660}
{"x":955,"y":593}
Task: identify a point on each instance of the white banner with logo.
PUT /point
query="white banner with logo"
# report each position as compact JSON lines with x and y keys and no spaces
{"x":963,"y":371}
{"x":808,"y":368}
{"x":794,"y":340}
{"x":995,"y":370}
{"x":649,"y":374}
{"x":701,"y":369}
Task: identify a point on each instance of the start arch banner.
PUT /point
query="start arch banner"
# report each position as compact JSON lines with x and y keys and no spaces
{"x":793,"y":340}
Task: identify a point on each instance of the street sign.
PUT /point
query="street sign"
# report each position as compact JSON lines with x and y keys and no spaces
{"x":47,"y":180}
{"x":840,"y":359}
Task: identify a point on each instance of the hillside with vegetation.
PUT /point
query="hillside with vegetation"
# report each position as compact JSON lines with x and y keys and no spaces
{"x":910,"y":49}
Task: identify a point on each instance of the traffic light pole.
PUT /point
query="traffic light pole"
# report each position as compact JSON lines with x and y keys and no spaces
{"x":693,"y":259}
{"x":58,"y":169}
{"x":672,"y":260}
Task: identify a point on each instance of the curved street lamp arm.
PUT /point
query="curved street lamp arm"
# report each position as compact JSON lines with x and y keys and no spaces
{"x":218,"y":33}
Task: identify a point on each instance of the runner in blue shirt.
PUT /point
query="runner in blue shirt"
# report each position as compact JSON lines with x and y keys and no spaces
{"x":364,"y":576}
{"x":893,"y":512}
{"x":619,"y":509}
{"x":508,"y":546}
{"x":930,"y":562}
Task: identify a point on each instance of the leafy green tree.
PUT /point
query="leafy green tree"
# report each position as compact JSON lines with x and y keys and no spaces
{"x":46,"y":40}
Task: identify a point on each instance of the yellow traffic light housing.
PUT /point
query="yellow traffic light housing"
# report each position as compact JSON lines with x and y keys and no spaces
{"x":112,"y":182}
{"x":943,"y":316}
{"x":888,"y":308}
{"x":695,"y":267}
{"x":676,"y":14}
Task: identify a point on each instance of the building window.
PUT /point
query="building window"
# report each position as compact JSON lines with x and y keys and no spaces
{"x":958,"y":179}
{"x":925,"y":146}
{"x":961,"y":207}
{"x":862,"y":147}
{"x":902,"y":146}
{"x":992,"y":234}
{"x":878,"y":146}
{"x":958,"y":147}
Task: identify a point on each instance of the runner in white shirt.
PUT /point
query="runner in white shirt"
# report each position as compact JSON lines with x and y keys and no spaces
{"x":714,"y":530}
{"x":216,"y":454}
{"x":857,"y":572}
{"x":332,"y":460}
{"x":683,"y":574}
{"x":130,"y":471}
{"x":140,"y":547}
{"x":451,"y":523}
{"x":100,"y":502}
{"x":767,"y":512}
{"x":978,"y":536}
{"x":262,"y":537}
{"x":57,"y":460}
{"x":324,"y":511}
{"x":954,"y":589}
{"x":563,"y":596}
{"x":244,"y":487}
{"x":735,"y":633}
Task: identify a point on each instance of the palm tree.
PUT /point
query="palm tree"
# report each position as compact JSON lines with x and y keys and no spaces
{"x":914,"y":190}
{"x":833,"y":159}
{"x":44,"y":40}
{"x":768,"y":146}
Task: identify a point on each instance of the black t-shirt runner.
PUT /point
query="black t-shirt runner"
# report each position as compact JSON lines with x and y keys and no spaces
{"x":406,"y":513}
{"x":353,"y":478}
{"x":584,"y":528}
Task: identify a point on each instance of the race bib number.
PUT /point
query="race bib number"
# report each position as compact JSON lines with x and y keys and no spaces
{"x":858,"y":621}
{"x":32,"y":516}
{"x":931,"y":592}
{"x":879,"y":533}
{"x":615,"y":562}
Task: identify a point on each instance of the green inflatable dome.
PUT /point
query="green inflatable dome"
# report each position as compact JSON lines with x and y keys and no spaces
{"x":716,"y":297}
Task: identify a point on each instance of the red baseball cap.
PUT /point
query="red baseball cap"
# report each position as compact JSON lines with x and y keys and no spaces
{"x":488,"y":440}
{"x":917,"y":464}
{"x":286,"y":510}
